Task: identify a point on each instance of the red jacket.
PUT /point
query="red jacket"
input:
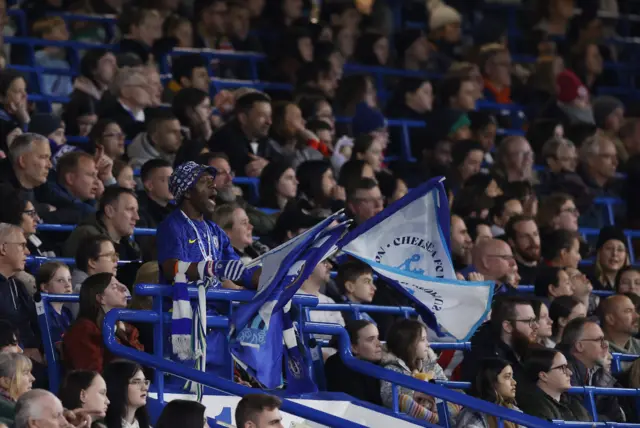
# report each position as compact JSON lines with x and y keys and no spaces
{"x":84,"y":349}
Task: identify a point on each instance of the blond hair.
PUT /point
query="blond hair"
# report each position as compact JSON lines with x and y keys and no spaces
{"x":12,"y":367}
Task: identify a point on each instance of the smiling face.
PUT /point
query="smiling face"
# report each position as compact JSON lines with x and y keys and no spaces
{"x":612,"y":256}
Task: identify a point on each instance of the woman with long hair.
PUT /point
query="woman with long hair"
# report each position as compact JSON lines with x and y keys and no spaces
{"x":494,"y":383}
{"x":127,"y":390}
{"x":318,"y":187}
{"x":545,"y":323}
{"x":550,"y":377}
{"x":83,"y":344}
{"x":184,"y":414}
{"x":408,"y":353}
{"x":86,"y":390}
{"x":611,"y":256}
{"x":278,"y":185}
{"x":562,"y":310}
{"x":15,"y":380}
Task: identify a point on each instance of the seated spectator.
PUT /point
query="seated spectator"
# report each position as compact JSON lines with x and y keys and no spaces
{"x":412,"y":47}
{"x":445,"y":34}
{"x":107,"y":136}
{"x":16,"y":304}
{"x":87,"y":390}
{"x":13,"y":93}
{"x":370,"y":150}
{"x":494,"y":383}
{"x":504,"y":208}
{"x":188,"y":71}
{"x":178,"y":31}
{"x":458,"y":93}
{"x":83,"y":344}
{"x":318,"y":281}
{"x":140,"y":28}
{"x":75,"y":188}
{"x":55,"y":29}
{"x":366,"y":346}
{"x":97,"y":70}
{"x":55,"y":278}
{"x":598,"y":161}
{"x":628,"y":281}
{"x":183,"y":413}
{"x":127,"y":390}
{"x":245,"y":138}
{"x":412,"y":99}
{"x":369,"y":120}
{"x":295,"y":49}
{"x":51,"y":127}
{"x":364,"y":200}
{"x":40,"y":407}
{"x":584,"y":346}
{"x":262,"y":222}
{"x":514,"y":160}
{"x":9,"y":338}
{"x":95,"y":254}
{"x":558,"y":211}
{"x":467,"y":157}
{"x":549,"y":374}
{"x":15,"y":380}
{"x":561,"y":248}
{"x":318,"y":188}
{"x":132,"y":94}
{"x":582,"y":289}
{"x":238,"y":29}
{"x":478,"y":230}
{"x":608,"y":113}
{"x":116,"y":219}
{"x":392,"y":188}
{"x":211,"y":33}
{"x":353,"y":170}
{"x":291,"y":222}
{"x":27,"y":167}
{"x":484,"y":128}
{"x":545,"y":324}
{"x":278,"y":185}
{"x":619,"y":321}
{"x":562,"y":310}
{"x":526,"y":194}
{"x":630,"y":137}
{"x":192,"y":107}
{"x":317,"y":78}
{"x":352,"y":91}
{"x":355,"y":281}
{"x":408,"y":353}
{"x":162,"y":139}
{"x":461,"y":243}
{"x":552,"y":282}
{"x":123,"y":173}
{"x":20,"y":212}
{"x":236,"y":224}
{"x":493,"y":259}
{"x":611,"y":256}
{"x":290,"y":140}
{"x":522,"y":235}
{"x":572,"y":105}
{"x":254,"y":408}
{"x":512,"y":328}
{"x":372,"y":49}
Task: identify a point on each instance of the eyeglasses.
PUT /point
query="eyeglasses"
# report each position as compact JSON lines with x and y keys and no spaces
{"x":22,"y":245}
{"x":602,"y":340}
{"x":31,"y":213}
{"x":573,"y":211}
{"x":113,"y":256}
{"x":140,"y":382}
{"x":531,"y":321}
{"x":564,"y":368}
{"x":506,"y":257}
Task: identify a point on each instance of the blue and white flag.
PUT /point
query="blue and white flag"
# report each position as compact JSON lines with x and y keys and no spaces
{"x":260,"y":328}
{"x":408,"y":245}
{"x":412,"y":234}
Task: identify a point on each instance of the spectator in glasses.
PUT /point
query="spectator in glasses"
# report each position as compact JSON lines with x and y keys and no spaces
{"x":549,"y":372}
{"x":514,"y":160}
{"x":584,"y":346}
{"x":364,"y":200}
{"x":558,"y":212}
{"x":20,"y":212}
{"x":494,"y":259}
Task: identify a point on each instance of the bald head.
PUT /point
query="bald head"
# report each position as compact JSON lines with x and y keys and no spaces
{"x":618,"y":317}
{"x":493,"y":258}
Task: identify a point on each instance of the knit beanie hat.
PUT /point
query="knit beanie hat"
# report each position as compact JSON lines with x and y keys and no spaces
{"x":442,"y":15}
{"x":366,"y":120}
{"x":570,"y":87}
{"x":603,"y":107}
{"x":44,"y":124}
{"x":609,"y":233}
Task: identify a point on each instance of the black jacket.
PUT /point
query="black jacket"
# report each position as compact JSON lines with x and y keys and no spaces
{"x":533,"y":401}
{"x":110,"y":108}
{"x":340,"y":378}
{"x":17,"y":307}
{"x":151,"y":215}
{"x":230,"y":140}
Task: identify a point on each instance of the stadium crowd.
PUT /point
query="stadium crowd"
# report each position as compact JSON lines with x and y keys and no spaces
{"x":529,"y":150}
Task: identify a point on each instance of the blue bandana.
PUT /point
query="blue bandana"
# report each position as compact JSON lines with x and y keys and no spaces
{"x":185,"y":177}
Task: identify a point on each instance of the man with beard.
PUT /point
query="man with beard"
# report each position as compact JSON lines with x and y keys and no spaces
{"x":512,"y":328}
{"x":262,"y":223}
{"x":188,"y":244}
{"x":461,"y":243}
{"x":523,"y":237}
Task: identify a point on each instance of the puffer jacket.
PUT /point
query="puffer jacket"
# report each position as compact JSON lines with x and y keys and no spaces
{"x":469,"y":418}
{"x":406,"y":402}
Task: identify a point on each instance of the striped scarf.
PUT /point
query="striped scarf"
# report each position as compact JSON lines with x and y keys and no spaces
{"x":188,"y":328}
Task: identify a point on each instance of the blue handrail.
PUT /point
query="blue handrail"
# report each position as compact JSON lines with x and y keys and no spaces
{"x":425,"y":387}
{"x":49,"y":227}
{"x":69,"y":261}
{"x":186,"y":372}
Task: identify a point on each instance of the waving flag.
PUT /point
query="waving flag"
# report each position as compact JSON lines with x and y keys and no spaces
{"x":260,"y":327}
{"x":408,"y":245}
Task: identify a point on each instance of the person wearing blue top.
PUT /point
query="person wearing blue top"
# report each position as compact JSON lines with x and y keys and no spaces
{"x":189,"y":243}
{"x":355,"y":281}
{"x":55,"y":278}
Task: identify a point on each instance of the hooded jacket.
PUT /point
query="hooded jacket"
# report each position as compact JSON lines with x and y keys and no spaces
{"x":17,"y":307}
{"x":536,"y":402}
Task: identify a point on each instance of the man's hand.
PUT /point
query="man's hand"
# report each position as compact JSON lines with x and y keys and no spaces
{"x":476,"y":276}
{"x":34,"y":354}
{"x":255,"y":167}
{"x":81,"y":418}
{"x":104,"y":165}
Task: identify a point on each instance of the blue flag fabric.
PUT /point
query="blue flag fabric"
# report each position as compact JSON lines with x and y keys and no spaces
{"x":408,"y":245}
{"x":262,"y":327}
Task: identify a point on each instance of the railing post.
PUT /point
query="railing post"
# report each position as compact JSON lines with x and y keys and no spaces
{"x":158,"y":345}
